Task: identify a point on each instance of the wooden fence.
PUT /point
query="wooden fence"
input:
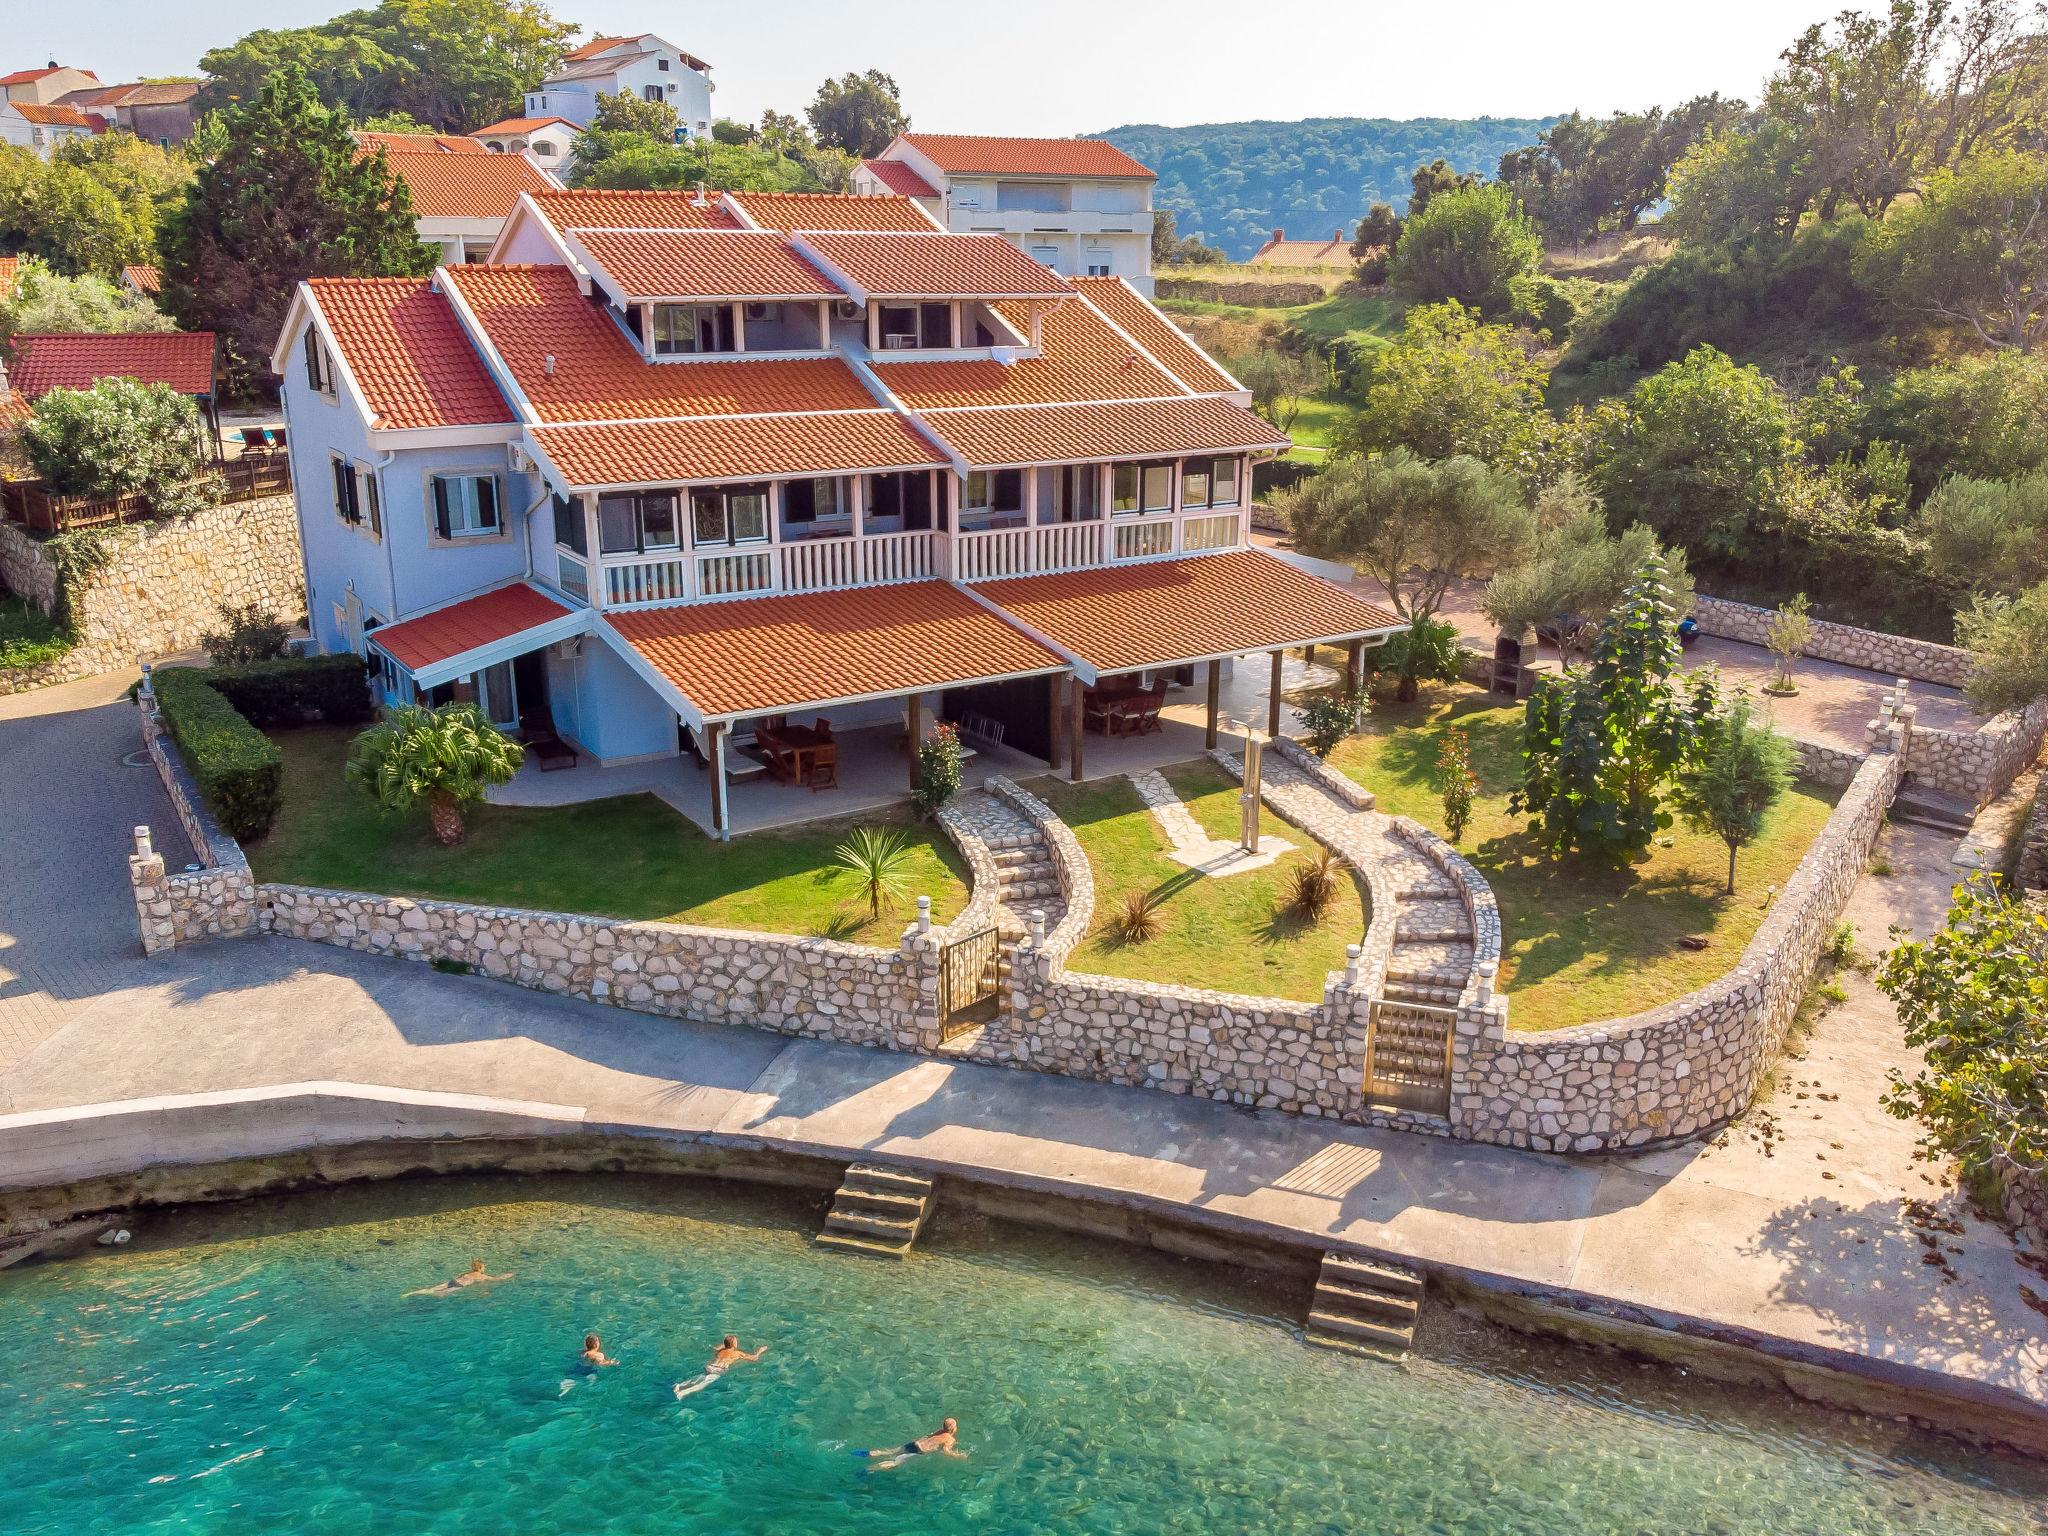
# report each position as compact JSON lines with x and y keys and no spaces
{"x":27,"y":503}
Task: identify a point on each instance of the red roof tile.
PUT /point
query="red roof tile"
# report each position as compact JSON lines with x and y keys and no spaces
{"x":934,"y":265}
{"x":704,"y":264}
{"x":408,"y":352}
{"x":597,"y":208}
{"x":1122,"y":429}
{"x":467,"y":186}
{"x":959,"y":154}
{"x":832,"y":210}
{"x":900,"y":178}
{"x":52,"y":116}
{"x":533,"y":312}
{"x":1082,"y":358}
{"x":760,"y":655}
{"x":160,"y":93}
{"x":149,"y":280}
{"x":420,"y":144}
{"x":1121,"y":617}
{"x":181,"y":359}
{"x":465,"y":626}
{"x":24,"y":76}
{"x":1150,"y":329}
{"x":734,"y":448}
{"x":594,"y":47}
{"x":513,"y":126}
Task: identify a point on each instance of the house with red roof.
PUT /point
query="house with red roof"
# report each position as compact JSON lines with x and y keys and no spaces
{"x":1079,"y":206}
{"x":48,"y":85}
{"x":1303,"y":254}
{"x":461,"y":196}
{"x":549,"y":140}
{"x":186,"y":361}
{"x":645,"y":66}
{"x":161,"y":112}
{"x":684,"y":478}
{"x":38,"y":128}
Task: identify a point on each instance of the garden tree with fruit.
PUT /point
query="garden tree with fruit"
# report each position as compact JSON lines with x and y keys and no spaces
{"x":2007,"y":638}
{"x":1414,"y":526}
{"x":122,"y":438}
{"x":1738,"y":770}
{"x":859,"y":113}
{"x":287,"y":199}
{"x":1452,"y":384}
{"x":1974,"y":999}
{"x":441,"y":758}
{"x":1466,"y":244}
{"x":1600,"y":746}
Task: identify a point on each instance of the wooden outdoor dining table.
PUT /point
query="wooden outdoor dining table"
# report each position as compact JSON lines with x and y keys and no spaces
{"x":796,"y":743}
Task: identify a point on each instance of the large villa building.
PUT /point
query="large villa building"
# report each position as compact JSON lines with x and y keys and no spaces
{"x":674,"y":468}
{"x":645,"y":66}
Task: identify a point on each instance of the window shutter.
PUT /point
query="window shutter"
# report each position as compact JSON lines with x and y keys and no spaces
{"x":441,"y":523}
{"x":376,"y":501}
{"x":487,"y":501}
{"x":313,"y":358}
{"x":344,"y":484}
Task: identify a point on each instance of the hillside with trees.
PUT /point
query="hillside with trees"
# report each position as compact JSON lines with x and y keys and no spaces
{"x":1232,"y":184}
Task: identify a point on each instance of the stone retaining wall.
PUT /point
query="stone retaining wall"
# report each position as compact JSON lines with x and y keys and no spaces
{"x":1823,"y":763}
{"x":2031,"y":874}
{"x":215,"y":900}
{"x":2025,"y":1198}
{"x":1871,"y":649}
{"x":163,"y":585}
{"x":1979,"y":764}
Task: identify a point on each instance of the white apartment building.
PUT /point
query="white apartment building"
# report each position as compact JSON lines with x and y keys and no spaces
{"x":643,"y":66}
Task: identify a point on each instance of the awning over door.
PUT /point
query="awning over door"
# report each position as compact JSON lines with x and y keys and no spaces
{"x":454,"y":641}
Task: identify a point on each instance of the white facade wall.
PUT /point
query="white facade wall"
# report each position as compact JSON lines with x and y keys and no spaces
{"x":41,"y":138}
{"x":686,"y":89}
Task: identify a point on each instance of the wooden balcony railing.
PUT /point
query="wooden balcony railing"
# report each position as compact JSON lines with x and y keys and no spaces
{"x":27,"y":503}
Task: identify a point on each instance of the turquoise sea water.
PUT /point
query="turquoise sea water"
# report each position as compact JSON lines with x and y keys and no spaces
{"x":254,"y":1368}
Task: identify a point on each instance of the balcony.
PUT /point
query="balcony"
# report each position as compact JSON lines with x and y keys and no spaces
{"x":1076,"y":221}
{"x":996,"y":553}
{"x":806,"y":565}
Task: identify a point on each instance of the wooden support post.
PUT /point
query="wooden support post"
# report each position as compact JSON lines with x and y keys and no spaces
{"x":914,"y":716}
{"x":1056,"y":725}
{"x":1215,"y":701}
{"x":721,"y":818}
{"x":1273,"y":700}
{"x":1354,"y":658}
{"x":1075,"y":732}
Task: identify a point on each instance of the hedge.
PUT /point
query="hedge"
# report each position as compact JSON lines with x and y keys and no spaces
{"x":239,"y":770}
{"x":296,"y":689}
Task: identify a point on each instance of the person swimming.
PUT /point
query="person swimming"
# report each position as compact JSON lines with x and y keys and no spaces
{"x":940,"y":1441}
{"x":724,"y":1358}
{"x":593,"y":1355}
{"x":476,"y":1274}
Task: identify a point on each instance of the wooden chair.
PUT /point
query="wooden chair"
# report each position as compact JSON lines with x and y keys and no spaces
{"x":824,"y":768}
{"x":547,"y":749}
{"x":1140,"y":712}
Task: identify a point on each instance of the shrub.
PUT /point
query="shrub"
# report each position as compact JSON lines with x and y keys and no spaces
{"x":239,"y":771}
{"x":1427,"y":651}
{"x":122,"y":438}
{"x":2007,"y":638}
{"x":1456,"y":781}
{"x":1328,"y":718}
{"x":28,"y":636}
{"x":939,"y":769}
{"x":1137,"y":917}
{"x":296,"y":689}
{"x":1981,"y":417}
{"x":1313,"y":887}
{"x":443,"y":758}
{"x":880,"y":860}
{"x":1466,"y":244}
{"x":248,"y":632}
{"x":1786,"y":637}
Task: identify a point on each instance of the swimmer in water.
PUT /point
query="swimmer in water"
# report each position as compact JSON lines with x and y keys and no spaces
{"x":593,"y":1354}
{"x":940,"y":1441}
{"x":476,"y":1274}
{"x":724,"y":1358}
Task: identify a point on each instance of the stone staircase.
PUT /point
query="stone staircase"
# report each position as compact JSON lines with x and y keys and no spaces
{"x":1916,"y":805}
{"x":878,"y":1211}
{"x":1364,"y":1307}
{"x":1028,"y":881}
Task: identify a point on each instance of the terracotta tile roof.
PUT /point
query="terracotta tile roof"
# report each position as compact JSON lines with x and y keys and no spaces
{"x":734,"y":448}
{"x":594,"y":47}
{"x":466,"y":186}
{"x":54,"y":117}
{"x":832,"y":210}
{"x":517,"y":125}
{"x":959,"y":154}
{"x":462,"y":627}
{"x":420,"y":144}
{"x":163,"y":93}
{"x":1158,"y":335}
{"x":532,"y":312}
{"x":149,"y":280}
{"x":759,"y":655}
{"x":596,"y":208}
{"x":1120,"y":617}
{"x":1082,"y":359}
{"x":1122,"y":429}
{"x":900,"y":178}
{"x":1279,"y":252}
{"x":408,"y":352}
{"x":9,"y":267}
{"x":25,"y":76}
{"x":181,"y":359}
{"x":934,"y":265}
{"x":704,"y":263}
{"x":14,"y":410}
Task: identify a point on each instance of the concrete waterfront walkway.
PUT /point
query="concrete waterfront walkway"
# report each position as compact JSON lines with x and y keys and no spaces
{"x":1747,"y":1237}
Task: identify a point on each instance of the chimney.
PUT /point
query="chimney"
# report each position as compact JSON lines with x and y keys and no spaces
{"x":1279,"y":235}
{"x":547,"y":366}
{"x":1336,"y":237}
{"x":702,"y":200}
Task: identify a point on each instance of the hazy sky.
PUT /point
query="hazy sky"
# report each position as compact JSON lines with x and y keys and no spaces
{"x":1073,"y":66}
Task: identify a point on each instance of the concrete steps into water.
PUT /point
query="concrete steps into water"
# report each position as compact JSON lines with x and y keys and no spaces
{"x":878,"y":1211}
{"x":1364,"y":1307}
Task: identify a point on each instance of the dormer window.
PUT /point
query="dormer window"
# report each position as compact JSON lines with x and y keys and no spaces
{"x":684,"y":330}
{"x":915,"y":327}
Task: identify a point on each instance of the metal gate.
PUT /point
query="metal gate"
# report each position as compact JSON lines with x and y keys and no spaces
{"x":970,"y":982}
{"x":1408,"y":1057}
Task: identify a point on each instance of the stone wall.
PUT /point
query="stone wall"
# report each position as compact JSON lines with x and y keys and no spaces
{"x":1979,"y":764}
{"x":1873,"y":650}
{"x":1823,"y":763}
{"x":1690,"y":1065}
{"x":163,"y":585}
{"x":1257,"y":295}
{"x":177,"y":901}
{"x":2031,"y":874}
{"x":2025,"y":1198}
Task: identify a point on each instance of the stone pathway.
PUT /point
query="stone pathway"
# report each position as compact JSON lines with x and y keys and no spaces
{"x":1026,"y":879}
{"x":1192,"y":844}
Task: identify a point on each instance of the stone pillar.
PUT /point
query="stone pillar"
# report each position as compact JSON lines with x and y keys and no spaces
{"x":153,"y":914}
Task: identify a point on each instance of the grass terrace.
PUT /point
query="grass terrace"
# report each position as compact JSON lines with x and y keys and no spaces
{"x":629,"y":857}
{"x":1580,"y":943}
{"x":1230,"y":934}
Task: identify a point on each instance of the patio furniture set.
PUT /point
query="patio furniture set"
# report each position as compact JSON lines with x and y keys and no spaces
{"x":1120,"y":706}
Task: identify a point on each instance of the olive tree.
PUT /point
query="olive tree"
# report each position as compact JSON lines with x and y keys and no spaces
{"x":2007,"y":638}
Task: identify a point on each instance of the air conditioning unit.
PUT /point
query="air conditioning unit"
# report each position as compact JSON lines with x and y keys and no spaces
{"x":567,"y":650}
{"x":764,"y":311}
{"x":848,"y":310}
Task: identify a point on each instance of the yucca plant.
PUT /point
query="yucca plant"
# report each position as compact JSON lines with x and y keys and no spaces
{"x":880,"y":860}
{"x":1137,"y":917}
{"x":444,"y":758}
{"x":1315,"y":885}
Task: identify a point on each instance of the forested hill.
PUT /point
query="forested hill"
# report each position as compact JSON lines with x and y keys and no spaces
{"x":1233,"y":183}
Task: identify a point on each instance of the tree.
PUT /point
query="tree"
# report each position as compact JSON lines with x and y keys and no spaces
{"x":121,"y":438}
{"x":1989,"y":534}
{"x":1578,"y":571}
{"x":1425,"y":652}
{"x":1786,"y":637}
{"x":1740,"y":184}
{"x":1699,"y":452}
{"x":1599,"y":745}
{"x":783,"y":133}
{"x":1979,"y":417}
{"x":1279,"y":382}
{"x":726,"y":131}
{"x":1414,"y":526}
{"x":1585,"y":175}
{"x":1738,"y":769}
{"x":394,"y":122}
{"x":442,"y":758}
{"x":2007,"y":638}
{"x":859,"y":113}
{"x":1452,"y":384}
{"x":95,"y":207}
{"x":1456,"y":782}
{"x":1972,"y":250}
{"x":1974,"y":998}
{"x":638,"y":161}
{"x":41,"y":302}
{"x":1376,"y":232}
{"x":287,"y":199}
{"x":1428,"y":181}
{"x":623,"y":112}
{"x":1465,"y":244}
{"x":349,"y":72}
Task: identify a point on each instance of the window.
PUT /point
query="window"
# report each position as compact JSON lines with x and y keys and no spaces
{"x":1141,"y":488}
{"x":544,"y":149}
{"x":995,"y":491}
{"x":661,"y":64}
{"x":1194,"y":483}
{"x":810,"y":501}
{"x":466,"y":506}
{"x":734,"y":514}
{"x":1223,"y":484}
{"x":909,"y":326}
{"x":573,"y":577}
{"x":682,"y":329}
{"x":319,"y":369}
{"x":373,"y":499}
{"x":569,"y":530}
{"x":651,"y":92}
{"x":907,"y":495}
{"x":1033,"y":197}
{"x":348,"y":504}
{"x":1098,"y":269}
{"x":631,"y":525}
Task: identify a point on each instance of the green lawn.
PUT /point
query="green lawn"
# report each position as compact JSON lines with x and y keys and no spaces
{"x":1581,"y":943}
{"x":629,"y":857}
{"x":28,"y":638}
{"x":1319,"y":417}
{"x":1228,"y":934}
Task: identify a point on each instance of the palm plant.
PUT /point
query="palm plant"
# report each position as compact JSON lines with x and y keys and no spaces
{"x":444,"y":758}
{"x":1314,"y":888}
{"x":1138,"y":918}
{"x":880,"y":859}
